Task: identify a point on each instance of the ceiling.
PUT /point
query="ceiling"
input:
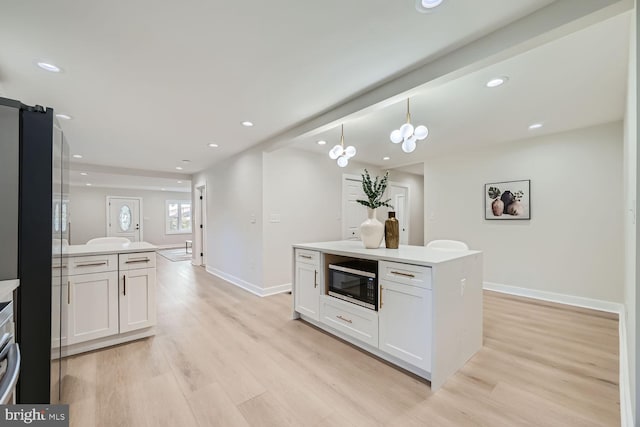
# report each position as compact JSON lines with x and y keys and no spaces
{"x":571,"y":82}
{"x":150,"y":84}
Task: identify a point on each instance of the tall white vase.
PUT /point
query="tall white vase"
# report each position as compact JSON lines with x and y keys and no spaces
{"x":371,"y":230}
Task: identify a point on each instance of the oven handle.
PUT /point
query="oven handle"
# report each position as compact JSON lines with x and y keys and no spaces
{"x":352,"y":271}
{"x":10,"y":378}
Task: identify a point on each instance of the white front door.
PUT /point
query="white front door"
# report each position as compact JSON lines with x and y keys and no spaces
{"x":353,"y":212}
{"x":399,"y":196}
{"x":124,"y":217}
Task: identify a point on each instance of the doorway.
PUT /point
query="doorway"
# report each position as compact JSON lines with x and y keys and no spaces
{"x":123,"y":217}
{"x":399,"y":195}
{"x":200,"y":232}
{"x":353,"y":213}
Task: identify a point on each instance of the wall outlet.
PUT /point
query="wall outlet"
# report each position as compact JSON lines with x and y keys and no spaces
{"x":463,"y":284}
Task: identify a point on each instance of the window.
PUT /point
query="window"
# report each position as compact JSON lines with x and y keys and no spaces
{"x":178,"y":217}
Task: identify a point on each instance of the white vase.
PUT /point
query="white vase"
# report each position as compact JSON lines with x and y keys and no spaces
{"x":371,"y":230}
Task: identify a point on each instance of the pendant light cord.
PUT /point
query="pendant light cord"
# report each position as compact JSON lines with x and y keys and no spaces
{"x":408,"y":113}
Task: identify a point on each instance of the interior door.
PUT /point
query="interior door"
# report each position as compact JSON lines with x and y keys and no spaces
{"x":400,"y":200}
{"x":124,"y":218}
{"x":354,"y":213}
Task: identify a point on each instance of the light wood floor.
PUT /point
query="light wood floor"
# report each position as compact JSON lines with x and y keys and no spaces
{"x":223,"y":357}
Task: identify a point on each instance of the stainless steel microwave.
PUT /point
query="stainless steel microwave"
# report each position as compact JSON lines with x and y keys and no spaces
{"x":355,"y":281}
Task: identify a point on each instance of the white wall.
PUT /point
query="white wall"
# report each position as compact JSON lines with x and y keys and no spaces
{"x":234,"y":217}
{"x":573,"y":243}
{"x":631,"y":203}
{"x":88,"y":213}
{"x":305,"y":189}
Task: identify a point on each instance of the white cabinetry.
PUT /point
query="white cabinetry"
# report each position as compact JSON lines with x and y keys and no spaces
{"x":110,"y":298}
{"x":93,"y":306}
{"x":351,"y":319}
{"x":92,"y":299}
{"x":137,"y":293}
{"x":307,"y":283}
{"x":405,"y":313}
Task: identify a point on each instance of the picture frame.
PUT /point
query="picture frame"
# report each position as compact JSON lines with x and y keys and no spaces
{"x":507,"y":200}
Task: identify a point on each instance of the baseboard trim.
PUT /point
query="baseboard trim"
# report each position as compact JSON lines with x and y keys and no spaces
{"x":626,"y":413}
{"x":594,"y":304}
{"x":250,"y":287}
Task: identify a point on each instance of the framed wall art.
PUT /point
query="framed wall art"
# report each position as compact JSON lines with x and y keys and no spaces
{"x":507,"y":200}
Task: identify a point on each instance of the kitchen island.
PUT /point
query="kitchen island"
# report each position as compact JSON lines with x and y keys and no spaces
{"x":108,"y":295}
{"x":424,"y":314}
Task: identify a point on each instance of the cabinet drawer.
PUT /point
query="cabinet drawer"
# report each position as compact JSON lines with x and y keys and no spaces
{"x":355,"y":321}
{"x":309,"y":257}
{"x":408,"y":274}
{"x":91,"y":264}
{"x":137,"y":260}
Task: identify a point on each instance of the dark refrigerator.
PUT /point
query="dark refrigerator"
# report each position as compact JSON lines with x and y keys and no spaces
{"x":27,"y":191}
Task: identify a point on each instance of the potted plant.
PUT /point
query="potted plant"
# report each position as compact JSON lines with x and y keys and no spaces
{"x":372,"y":230}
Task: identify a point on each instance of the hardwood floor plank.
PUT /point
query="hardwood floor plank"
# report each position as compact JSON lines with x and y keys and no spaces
{"x":224,"y":357}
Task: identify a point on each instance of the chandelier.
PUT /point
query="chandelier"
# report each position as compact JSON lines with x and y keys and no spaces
{"x":341,"y":154}
{"x":408,"y":135}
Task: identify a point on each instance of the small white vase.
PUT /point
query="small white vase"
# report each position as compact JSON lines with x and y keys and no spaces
{"x":371,"y":230}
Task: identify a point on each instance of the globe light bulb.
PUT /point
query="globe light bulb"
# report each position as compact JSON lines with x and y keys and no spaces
{"x":421,"y":132}
{"x":350,"y":151}
{"x":335,"y":152}
{"x":343,"y":161}
{"x":406,"y":130}
{"x":396,"y":136}
{"x":409,"y":145}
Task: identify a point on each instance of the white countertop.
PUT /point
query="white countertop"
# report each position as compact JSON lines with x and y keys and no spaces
{"x":109,"y":248}
{"x":419,"y":255}
{"x":7,"y":287}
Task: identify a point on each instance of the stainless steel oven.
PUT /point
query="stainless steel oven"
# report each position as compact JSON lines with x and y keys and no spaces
{"x":355,"y":281}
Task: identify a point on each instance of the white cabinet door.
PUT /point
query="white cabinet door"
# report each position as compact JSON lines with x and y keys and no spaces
{"x":307,"y":290}
{"x":137,"y":295}
{"x":92,"y":306}
{"x":404,"y":318}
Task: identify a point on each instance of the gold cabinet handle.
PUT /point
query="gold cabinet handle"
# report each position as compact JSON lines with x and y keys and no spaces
{"x":305,"y":256}
{"x":68,"y":292}
{"x":133,"y":261}
{"x":381,"y":289}
{"x":315,"y":278}
{"x":124,"y":284}
{"x":403,"y":274}
{"x":346,"y":320}
{"x":92,"y":264}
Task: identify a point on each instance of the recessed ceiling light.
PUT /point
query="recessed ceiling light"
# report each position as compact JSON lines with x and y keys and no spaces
{"x":88,"y":184}
{"x":213,"y":145}
{"x":386,"y":158}
{"x":498,"y":81}
{"x":84,"y":173}
{"x":247,"y":124}
{"x":535,"y":126}
{"x":179,"y":182}
{"x":163,"y":189}
{"x":322,"y":142}
{"x":63,"y":116}
{"x":77,"y":156}
{"x":49,"y":67}
{"x":430,"y":4}
{"x":425,"y":6}
{"x":179,"y":168}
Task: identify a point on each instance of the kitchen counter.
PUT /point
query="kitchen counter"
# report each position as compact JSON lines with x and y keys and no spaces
{"x":422,"y":312}
{"x":417,"y":255}
{"x":109,"y":248}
